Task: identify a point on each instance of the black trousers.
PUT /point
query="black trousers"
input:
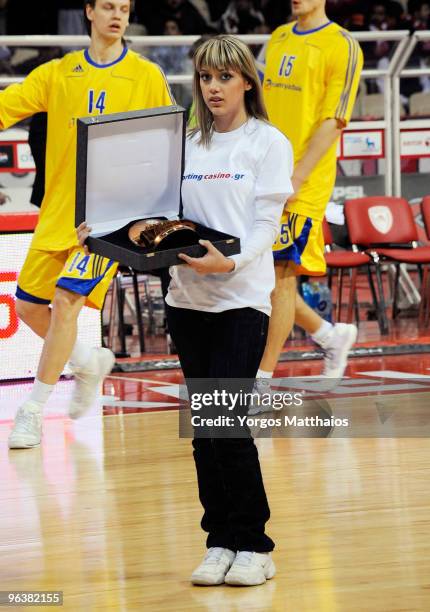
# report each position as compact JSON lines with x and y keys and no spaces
{"x":226,"y":345}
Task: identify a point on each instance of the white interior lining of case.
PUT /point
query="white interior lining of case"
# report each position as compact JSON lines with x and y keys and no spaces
{"x":133,"y":171}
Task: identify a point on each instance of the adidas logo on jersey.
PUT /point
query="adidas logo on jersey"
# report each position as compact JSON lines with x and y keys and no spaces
{"x":78,"y":68}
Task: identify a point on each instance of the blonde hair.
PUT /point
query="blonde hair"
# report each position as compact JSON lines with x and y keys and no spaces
{"x":224,"y":52}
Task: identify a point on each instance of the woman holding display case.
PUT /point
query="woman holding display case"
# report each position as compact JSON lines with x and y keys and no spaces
{"x":236,"y":180}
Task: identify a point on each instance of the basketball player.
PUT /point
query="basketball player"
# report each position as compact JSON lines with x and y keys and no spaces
{"x":311,"y":75}
{"x":58,"y":277}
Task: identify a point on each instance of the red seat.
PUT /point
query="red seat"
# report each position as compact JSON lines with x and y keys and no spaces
{"x":341,"y":260}
{"x":419,"y":255}
{"x":382,"y":224}
{"x":346,"y":259}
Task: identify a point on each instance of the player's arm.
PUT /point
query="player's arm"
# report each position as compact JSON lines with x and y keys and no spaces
{"x":22,"y":100}
{"x":324,"y":137}
{"x":343,"y":76}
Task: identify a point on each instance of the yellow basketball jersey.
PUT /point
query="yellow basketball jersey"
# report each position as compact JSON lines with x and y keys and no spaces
{"x":69,"y":88}
{"x":309,"y":77}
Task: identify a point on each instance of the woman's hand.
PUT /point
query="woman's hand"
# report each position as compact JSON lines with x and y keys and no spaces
{"x":214,"y":262}
{"x":83,"y":231}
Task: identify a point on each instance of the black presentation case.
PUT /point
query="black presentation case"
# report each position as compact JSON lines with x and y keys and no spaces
{"x":129,"y":167}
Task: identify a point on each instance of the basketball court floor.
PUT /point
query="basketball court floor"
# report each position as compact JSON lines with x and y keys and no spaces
{"x":106,"y":510}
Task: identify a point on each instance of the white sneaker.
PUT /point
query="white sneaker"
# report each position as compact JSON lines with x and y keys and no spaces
{"x":250,"y":569}
{"x":336,"y":349}
{"x":262,"y":403}
{"x":88,"y":379}
{"x":27,"y":429}
{"x":214,"y":567}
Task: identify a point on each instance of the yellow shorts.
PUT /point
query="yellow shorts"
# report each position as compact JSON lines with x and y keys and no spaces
{"x":301,"y":244}
{"x":43,"y":271}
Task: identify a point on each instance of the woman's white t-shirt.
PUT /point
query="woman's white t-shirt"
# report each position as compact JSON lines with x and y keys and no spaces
{"x":239,"y":186}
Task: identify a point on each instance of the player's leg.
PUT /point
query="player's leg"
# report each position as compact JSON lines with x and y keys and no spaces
{"x":283,"y":313}
{"x":35,"y":292}
{"x":59,"y":342}
{"x":36,"y":288}
{"x":306,"y":317}
{"x":312,"y":263}
{"x":281,"y":323}
{"x":287,"y":250}
{"x":286,"y":257}
{"x":335,"y":340}
{"x":36,"y":316}
{"x":89,"y":276}
{"x":61,"y":335}
{"x":300,"y":244}
{"x":283,"y":299}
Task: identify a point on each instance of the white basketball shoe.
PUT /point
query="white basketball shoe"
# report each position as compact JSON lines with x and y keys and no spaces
{"x":213,"y":568}
{"x":336,"y":348}
{"x":251,"y":568}
{"x":27,"y":428}
{"x":88,"y":380}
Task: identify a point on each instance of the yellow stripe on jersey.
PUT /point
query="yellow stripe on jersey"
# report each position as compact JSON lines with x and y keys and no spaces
{"x":99,"y":266}
{"x":94,"y":266}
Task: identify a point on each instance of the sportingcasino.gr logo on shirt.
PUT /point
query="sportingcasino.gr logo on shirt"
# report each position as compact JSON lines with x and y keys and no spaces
{"x":214,"y":176}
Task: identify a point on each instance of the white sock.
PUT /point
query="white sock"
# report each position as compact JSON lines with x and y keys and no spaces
{"x":323,"y":333}
{"x":81,"y":354}
{"x":264,"y":374}
{"x":40,"y":392}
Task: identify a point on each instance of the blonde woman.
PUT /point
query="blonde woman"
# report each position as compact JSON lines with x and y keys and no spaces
{"x":236,"y":180}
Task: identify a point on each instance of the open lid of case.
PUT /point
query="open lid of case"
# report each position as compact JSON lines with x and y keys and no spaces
{"x":129,"y":167}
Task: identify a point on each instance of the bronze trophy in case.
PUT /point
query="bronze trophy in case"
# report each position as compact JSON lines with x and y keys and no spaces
{"x":163,"y":234}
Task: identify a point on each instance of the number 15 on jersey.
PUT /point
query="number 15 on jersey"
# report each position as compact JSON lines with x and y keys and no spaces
{"x":287,"y":65}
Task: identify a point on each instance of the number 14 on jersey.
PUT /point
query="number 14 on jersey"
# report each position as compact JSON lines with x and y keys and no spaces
{"x":96,"y":101}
